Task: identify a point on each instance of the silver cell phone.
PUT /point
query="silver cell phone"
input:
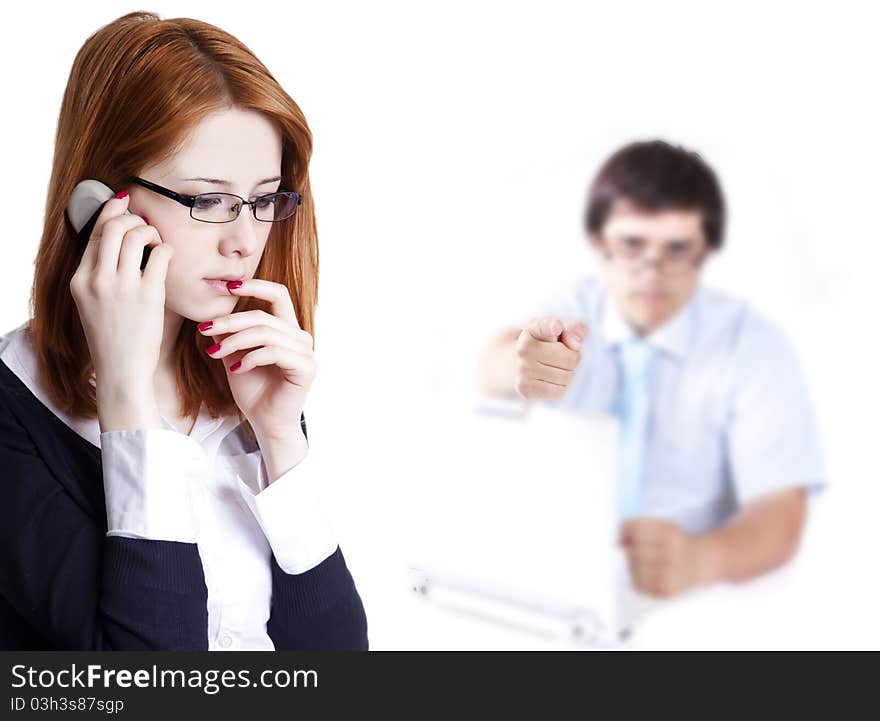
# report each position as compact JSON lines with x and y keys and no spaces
{"x":84,"y":207}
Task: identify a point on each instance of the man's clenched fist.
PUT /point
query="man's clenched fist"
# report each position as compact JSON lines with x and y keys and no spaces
{"x":663,"y":559}
{"x":547,"y":353}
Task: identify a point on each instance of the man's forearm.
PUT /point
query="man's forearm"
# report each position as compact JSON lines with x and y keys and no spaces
{"x":498,"y":365}
{"x":762,"y":536}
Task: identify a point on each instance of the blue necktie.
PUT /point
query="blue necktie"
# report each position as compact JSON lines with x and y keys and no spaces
{"x":633,"y":409}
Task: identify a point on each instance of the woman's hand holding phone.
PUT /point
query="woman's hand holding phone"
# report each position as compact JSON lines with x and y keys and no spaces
{"x":122,"y":311}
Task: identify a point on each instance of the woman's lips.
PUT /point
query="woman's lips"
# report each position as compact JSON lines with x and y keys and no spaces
{"x":218,"y":285}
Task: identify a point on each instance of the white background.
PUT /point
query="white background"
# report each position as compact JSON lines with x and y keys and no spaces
{"x":453,"y":147}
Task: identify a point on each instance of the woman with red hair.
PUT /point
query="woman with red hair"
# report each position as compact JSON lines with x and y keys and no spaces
{"x":157,"y":491}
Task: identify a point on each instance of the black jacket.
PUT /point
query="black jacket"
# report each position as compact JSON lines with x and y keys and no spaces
{"x":66,"y":585}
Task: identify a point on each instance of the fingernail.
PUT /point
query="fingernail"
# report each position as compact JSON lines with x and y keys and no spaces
{"x":233,"y":284}
{"x":207,"y":325}
{"x":213,"y":349}
{"x":235,"y":366}
{"x":576,"y":338}
{"x":121,"y":194}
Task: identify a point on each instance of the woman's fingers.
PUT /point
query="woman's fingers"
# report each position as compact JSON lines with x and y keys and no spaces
{"x":112,"y":208}
{"x":156,"y":268}
{"x":276,"y":293}
{"x":235,"y":322}
{"x":302,"y":365}
{"x":132,"y":253}
{"x":110,"y":243}
{"x":261,"y":335}
{"x":112,"y":223}
{"x":116,"y":247}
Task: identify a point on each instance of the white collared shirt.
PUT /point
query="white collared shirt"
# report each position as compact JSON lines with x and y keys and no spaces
{"x":209,"y":488}
{"x":731,"y":415}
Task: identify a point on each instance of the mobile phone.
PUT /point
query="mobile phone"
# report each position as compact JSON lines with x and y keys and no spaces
{"x":84,"y":207}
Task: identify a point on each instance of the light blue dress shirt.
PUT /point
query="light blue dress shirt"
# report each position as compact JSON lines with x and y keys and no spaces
{"x":731,"y":416}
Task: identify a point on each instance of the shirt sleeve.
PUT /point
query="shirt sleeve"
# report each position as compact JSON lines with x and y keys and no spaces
{"x":290,"y":513}
{"x":773,"y":437}
{"x":149,"y":482}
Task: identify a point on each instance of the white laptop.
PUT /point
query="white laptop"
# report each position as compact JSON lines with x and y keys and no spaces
{"x":514,"y":522}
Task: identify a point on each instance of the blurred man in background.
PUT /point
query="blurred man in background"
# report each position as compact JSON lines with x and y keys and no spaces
{"x":718,"y":441}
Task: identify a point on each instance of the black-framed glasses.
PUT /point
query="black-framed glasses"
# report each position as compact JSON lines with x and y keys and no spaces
{"x":675,"y":258}
{"x":226,"y":207}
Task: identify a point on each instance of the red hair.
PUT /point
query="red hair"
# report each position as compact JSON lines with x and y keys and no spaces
{"x":137,"y":87}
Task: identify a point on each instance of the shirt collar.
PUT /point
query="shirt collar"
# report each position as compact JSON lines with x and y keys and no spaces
{"x":673,"y":337}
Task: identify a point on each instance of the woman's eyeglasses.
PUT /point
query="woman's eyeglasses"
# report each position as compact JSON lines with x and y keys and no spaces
{"x":225,"y":207}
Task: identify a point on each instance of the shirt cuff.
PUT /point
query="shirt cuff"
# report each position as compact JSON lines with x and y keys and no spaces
{"x":289,"y":512}
{"x":148,"y":483}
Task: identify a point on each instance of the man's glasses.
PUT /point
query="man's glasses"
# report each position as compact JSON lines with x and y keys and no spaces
{"x":674,"y":258}
{"x":225,"y":207}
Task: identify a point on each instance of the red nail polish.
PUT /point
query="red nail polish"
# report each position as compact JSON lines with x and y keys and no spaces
{"x":121,"y":194}
{"x":207,"y":325}
{"x":213,"y":349}
{"x":233,"y":284}
{"x":235,"y":366}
